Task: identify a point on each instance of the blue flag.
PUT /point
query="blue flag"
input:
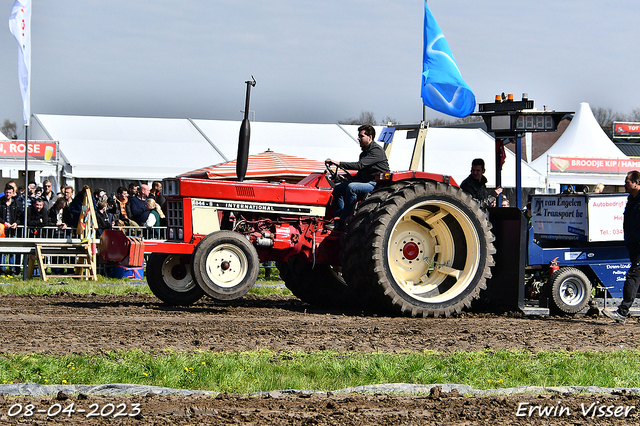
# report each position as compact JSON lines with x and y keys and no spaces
{"x":443,"y":88}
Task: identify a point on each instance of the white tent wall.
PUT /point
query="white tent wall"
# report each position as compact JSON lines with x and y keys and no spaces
{"x":128,"y":148}
{"x":312,"y":141}
{"x":146,"y":149}
{"x":583,"y":138}
{"x":449,"y":151}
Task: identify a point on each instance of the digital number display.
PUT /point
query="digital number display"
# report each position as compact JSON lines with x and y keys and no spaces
{"x":535,"y":122}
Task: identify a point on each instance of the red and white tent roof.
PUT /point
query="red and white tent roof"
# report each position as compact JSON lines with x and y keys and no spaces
{"x":267,"y":165}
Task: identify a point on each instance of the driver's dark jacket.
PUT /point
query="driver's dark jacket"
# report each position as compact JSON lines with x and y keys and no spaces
{"x":631,"y":223}
{"x":372,"y":161}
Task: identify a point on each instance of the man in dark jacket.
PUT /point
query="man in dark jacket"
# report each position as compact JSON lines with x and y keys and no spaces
{"x":37,"y":217}
{"x":10,"y":213}
{"x":476,"y":184}
{"x":631,"y":227}
{"x":372,"y":161}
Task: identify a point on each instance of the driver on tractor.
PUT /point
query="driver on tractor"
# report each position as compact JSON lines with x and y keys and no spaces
{"x":372,"y":160}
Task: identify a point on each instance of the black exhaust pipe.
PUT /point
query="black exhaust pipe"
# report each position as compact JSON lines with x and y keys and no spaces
{"x":245,"y":135}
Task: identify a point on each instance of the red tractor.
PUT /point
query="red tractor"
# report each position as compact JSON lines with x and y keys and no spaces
{"x":417,"y":244}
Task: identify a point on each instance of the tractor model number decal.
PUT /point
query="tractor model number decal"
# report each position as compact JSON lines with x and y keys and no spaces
{"x":261,"y":207}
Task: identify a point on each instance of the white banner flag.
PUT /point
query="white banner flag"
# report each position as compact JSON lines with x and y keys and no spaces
{"x":20,"y":26}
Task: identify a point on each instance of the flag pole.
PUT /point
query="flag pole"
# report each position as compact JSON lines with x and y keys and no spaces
{"x":25,"y":258}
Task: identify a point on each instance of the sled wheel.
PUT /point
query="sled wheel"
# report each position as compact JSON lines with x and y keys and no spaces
{"x":169,"y":278}
{"x":430,"y":250}
{"x":225,"y":265}
{"x":570,"y":290}
{"x":319,"y":285}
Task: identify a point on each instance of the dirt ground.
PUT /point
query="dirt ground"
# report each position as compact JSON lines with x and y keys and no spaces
{"x":65,"y":323}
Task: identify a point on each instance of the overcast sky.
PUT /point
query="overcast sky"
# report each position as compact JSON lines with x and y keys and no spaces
{"x":315,"y":61}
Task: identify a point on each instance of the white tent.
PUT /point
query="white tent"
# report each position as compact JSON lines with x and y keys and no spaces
{"x":448,"y":151}
{"x":583,"y":142}
{"x":125,"y":148}
{"x":153,"y":148}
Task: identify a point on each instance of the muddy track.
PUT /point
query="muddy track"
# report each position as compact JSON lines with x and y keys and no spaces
{"x":65,"y":323}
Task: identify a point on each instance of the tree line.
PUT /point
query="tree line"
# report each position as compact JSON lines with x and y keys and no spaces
{"x":604,"y":116}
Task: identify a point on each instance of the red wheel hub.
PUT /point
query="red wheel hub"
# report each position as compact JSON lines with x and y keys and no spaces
{"x":410,"y":250}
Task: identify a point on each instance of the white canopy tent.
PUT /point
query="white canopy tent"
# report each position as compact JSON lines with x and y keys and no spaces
{"x":448,"y":151}
{"x":582,"y":141}
{"x":125,"y":148}
{"x":153,"y":148}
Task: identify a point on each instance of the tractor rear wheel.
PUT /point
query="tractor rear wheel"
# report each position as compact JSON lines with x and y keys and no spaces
{"x":428,"y":250}
{"x":319,"y":285}
{"x":570,"y":290}
{"x":169,"y":278}
{"x":225,"y":265}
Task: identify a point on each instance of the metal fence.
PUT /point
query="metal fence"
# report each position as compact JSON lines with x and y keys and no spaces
{"x":12,"y":257}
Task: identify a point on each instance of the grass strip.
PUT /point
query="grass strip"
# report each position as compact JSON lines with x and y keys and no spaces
{"x":264,"y":370}
{"x":104,"y":285}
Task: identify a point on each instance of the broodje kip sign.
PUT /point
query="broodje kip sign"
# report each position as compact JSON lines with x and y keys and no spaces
{"x":615,"y":166}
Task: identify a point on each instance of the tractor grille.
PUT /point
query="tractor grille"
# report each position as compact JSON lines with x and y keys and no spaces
{"x":245,"y":192}
{"x":175,"y":221}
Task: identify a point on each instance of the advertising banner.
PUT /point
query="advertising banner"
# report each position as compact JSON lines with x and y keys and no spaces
{"x":559,"y":217}
{"x":614,"y":166}
{"x":579,"y":217}
{"x":47,"y":151}
{"x":627,"y":130}
{"x":605,"y":217}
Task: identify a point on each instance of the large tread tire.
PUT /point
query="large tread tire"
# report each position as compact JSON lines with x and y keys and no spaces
{"x":352,"y":254}
{"x":570,"y":290}
{"x":225,"y":265}
{"x":428,"y":250}
{"x":170,"y":280}
{"x":319,"y":285}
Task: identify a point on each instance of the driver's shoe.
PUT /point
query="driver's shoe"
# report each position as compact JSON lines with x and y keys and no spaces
{"x":336,"y":225}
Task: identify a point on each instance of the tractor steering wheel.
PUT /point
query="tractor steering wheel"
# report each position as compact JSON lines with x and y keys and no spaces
{"x":331,"y":173}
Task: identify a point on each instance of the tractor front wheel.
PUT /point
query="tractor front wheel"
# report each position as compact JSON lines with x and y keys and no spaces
{"x":169,"y":278}
{"x":225,"y":265}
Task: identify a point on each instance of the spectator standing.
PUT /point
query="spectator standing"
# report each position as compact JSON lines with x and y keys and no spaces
{"x":154,"y":216}
{"x":10,"y":213}
{"x":10,"y":217}
{"x":156,"y":194}
{"x":631,"y":229}
{"x":133,"y":189}
{"x":24,"y":198}
{"x":60,"y":215}
{"x":37,"y":218}
{"x":68,"y":194}
{"x":121,"y":209}
{"x":99,"y":195}
{"x":139,"y":212}
{"x":102,"y":217}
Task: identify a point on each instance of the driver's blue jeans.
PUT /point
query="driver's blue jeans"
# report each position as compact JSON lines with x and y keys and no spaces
{"x":345,"y":196}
